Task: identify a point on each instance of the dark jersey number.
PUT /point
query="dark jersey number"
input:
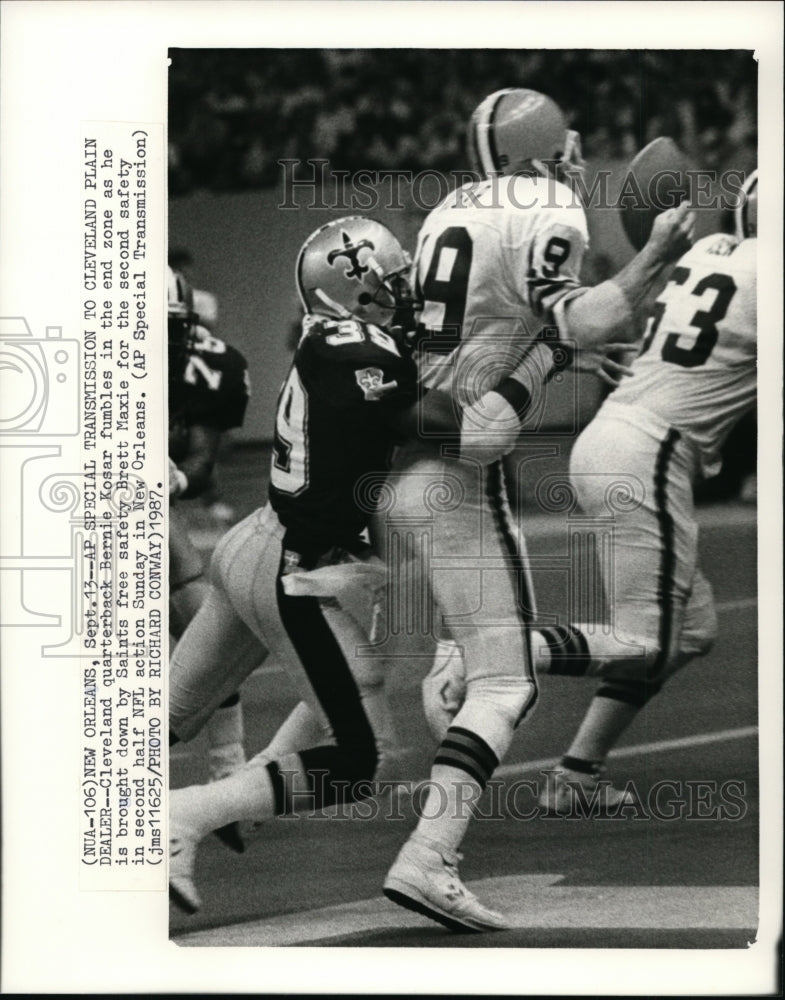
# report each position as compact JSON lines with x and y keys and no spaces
{"x":447,"y":282}
{"x":554,"y":255}
{"x":678,"y":277}
{"x":704,"y":320}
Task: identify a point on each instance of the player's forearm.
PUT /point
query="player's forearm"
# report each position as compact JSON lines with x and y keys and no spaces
{"x":610,"y":311}
{"x":484,"y":431}
{"x":490,"y":427}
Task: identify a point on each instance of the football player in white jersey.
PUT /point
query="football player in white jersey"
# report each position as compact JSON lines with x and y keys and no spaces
{"x":497,"y":269}
{"x":661,"y":430}
{"x":653,"y":438}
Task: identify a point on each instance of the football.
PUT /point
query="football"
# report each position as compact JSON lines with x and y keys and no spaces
{"x":657,"y":179}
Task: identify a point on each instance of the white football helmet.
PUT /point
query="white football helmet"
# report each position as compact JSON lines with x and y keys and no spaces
{"x":354,"y":267}
{"x":517,"y":131}
{"x":746,"y":212}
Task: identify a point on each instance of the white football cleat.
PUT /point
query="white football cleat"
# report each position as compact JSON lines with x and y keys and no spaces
{"x":222,"y":761}
{"x":426,"y":881}
{"x":182,"y":888}
{"x":182,"y":859}
{"x":577,"y":794}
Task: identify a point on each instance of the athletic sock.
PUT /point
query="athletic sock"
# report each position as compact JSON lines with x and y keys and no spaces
{"x":605,"y":721}
{"x":464,"y":762}
{"x":245,"y":795}
{"x":581,"y":765}
{"x":447,"y":809}
{"x":561,"y":649}
{"x":225,"y":734}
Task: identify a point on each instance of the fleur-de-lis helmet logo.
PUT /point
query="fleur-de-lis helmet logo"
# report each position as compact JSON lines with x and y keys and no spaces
{"x":352,"y":251}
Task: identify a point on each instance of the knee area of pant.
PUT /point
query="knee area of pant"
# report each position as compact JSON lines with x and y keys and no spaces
{"x":631,"y":692}
{"x":360,"y":763}
{"x":511,"y":694}
{"x":640,"y":668}
{"x":699,"y":645}
{"x":700,"y":641}
{"x":369,"y":673}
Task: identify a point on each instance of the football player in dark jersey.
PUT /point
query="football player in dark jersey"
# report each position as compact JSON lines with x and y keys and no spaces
{"x":208,"y":395}
{"x":351,"y":394}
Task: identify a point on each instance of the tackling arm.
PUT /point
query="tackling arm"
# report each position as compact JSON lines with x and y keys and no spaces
{"x":488,"y":428}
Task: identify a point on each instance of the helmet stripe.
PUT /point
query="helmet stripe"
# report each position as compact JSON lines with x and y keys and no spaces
{"x":474,"y":151}
{"x":481,"y":145}
{"x":485,"y":140}
{"x":492,"y":133}
{"x":748,"y":189}
{"x":298,"y":277}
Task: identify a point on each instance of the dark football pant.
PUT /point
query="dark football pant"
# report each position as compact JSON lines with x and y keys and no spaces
{"x":247,"y":611}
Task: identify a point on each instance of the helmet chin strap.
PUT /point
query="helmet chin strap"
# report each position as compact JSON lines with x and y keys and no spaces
{"x":541,"y":168}
{"x":376,"y":268}
{"x":572,"y":162}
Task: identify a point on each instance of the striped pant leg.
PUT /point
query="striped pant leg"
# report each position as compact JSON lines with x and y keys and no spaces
{"x":655,"y":542}
{"x":317,"y":659}
{"x":218,"y":650}
{"x":185,"y":563}
{"x":481,"y":593}
{"x":187,"y":582}
{"x":699,"y":629}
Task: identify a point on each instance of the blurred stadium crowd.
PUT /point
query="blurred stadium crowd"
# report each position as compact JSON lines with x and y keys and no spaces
{"x":234,"y":113}
{"x":232,"y":119}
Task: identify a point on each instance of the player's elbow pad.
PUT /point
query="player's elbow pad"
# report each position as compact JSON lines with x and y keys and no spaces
{"x":598,"y":315}
{"x":490,"y":427}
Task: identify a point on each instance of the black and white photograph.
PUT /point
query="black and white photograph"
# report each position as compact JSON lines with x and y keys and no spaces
{"x":481,"y":547}
{"x":391,"y":547}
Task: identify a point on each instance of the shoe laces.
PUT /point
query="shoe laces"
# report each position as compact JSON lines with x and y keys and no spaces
{"x":455,"y":887}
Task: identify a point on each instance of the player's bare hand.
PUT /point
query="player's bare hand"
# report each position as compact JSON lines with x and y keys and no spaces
{"x":672,"y":233}
{"x":609,"y":362}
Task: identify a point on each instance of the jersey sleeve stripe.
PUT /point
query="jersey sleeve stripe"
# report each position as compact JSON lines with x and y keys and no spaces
{"x":544,"y":293}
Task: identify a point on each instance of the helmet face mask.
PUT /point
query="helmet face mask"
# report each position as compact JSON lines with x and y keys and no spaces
{"x":517,"y":131}
{"x":572,"y":163}
{"x":182,"y":324}
{"x":354,"y":267}
{"x":746,"y":213}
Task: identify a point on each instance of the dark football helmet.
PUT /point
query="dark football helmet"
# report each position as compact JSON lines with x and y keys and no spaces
{"x":182,"y":322}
